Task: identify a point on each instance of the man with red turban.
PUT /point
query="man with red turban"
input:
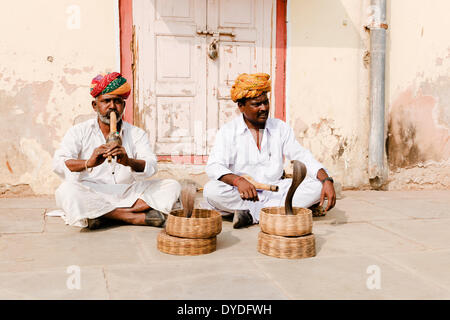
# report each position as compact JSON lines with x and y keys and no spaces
{"x":255,"y":145}
{"x":95,"y":189}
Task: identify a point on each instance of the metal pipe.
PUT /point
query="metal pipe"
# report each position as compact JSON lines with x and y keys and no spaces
{"x":377,"y":26}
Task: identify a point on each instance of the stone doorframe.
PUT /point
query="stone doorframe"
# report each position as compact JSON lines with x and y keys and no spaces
{"x":128,"y":52}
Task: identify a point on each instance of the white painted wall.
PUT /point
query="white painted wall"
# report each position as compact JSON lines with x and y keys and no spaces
{"x":48,"y":56}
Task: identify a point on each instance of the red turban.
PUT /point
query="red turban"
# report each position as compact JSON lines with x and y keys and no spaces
{"x":111,"y":83}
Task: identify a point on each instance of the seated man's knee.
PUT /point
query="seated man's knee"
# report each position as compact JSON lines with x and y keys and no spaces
{"x":213,"y":189}
{"x":173,"y":185}
{"x":68,"y":192}
{"x":66,"y":188}
{"x":308,"y":193}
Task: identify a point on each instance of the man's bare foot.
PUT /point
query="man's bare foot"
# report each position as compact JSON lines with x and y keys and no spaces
{"x":155,"y":218}
{"x":127,"y":215}
{"x":95,"y":223}
{"x":150,"y":217}
{"x":140,"y":206}
{"x":242,"y":218}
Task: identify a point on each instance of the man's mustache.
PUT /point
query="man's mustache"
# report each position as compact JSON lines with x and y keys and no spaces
{"x":106,"y":118}
{"x":108,"y":113}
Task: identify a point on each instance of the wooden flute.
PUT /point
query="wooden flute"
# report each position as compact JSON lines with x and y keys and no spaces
{"x":113,"y":134}
{"x":258,"y":185}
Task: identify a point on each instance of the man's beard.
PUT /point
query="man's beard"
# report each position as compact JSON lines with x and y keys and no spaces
{"x":106,"y":118}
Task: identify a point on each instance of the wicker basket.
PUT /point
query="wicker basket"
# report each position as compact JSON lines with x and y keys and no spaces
{"x":274,"y":221}
{"x":203,"y":224}
{"x":184,"y":246}
{"x":287,"y":247}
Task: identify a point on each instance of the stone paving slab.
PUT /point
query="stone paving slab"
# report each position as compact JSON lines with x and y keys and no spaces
{"x":359,"y":238}
{"x":36,"y":252}
{"x":57,"y":225}
{"x":415,"y":208}
{"x":350,"y":210}
{"x":435,"y":234}
{"x":413,"y":204}
{"x":235,"y":279}
{"x":432,"y":265}
{"x":21,"y":220}
{"x":231,"y":243}
{"x":388,"y":229}
{"x":29,"y":203}
{"x":434,"y":195}
{"x":346,"y":278}
{"x":52,"y":284}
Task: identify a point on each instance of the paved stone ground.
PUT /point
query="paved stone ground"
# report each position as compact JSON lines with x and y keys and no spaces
{"x":405,"y":234}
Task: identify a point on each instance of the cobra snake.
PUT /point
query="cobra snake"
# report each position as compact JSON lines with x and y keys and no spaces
{"x":297,"y":178}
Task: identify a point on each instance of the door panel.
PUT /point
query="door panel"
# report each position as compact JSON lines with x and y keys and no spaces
{"x":182,"y":93}
{"x":242,"y":51}
{"x":175,"y":10}
{"x":171,"y":74}
{"x":236,"y":13}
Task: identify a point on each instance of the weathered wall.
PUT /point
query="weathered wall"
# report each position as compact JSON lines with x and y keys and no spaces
{"x":418,"y":94}
{"x":47,"y":61}
{"x":328,"y":105}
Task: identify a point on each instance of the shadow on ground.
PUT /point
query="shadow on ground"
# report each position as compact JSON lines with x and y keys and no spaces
{"x":334,"y":216}
{"x":227,"y":240}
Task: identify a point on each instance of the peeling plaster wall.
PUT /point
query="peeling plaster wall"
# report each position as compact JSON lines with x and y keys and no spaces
{"x":328,"y":108}
{"x":329,"y":93}
{"x":45,"y":72}
{"x":46,"y":68}
{"x":418,"y":94}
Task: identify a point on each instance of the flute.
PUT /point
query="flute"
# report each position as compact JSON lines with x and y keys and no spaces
{"x":258,"y":185}
{"x":113,"y":134}
{"x":261,"y":186}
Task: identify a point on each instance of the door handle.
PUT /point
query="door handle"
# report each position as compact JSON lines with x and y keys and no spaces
{"x":216,"y":33}
{"x":202,"y":32}
{"x":225,"y":33}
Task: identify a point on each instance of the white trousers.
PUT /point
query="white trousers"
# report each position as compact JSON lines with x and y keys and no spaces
{"x":83,"y":200}
{"x":226,"y":198}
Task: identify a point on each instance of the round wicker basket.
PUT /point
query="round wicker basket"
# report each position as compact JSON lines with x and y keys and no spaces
{"x":184,"y":246}
{"x":273,"y":220}
{"x":287,"y":247}
{"x":203,"y":224}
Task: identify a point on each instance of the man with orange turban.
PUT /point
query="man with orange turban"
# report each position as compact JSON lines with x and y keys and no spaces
{"x":255,"y":145}
{"x":94,"y":189}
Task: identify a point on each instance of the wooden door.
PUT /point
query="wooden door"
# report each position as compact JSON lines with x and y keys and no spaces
{"x":244,"y":33}
{"x":182,"y":93}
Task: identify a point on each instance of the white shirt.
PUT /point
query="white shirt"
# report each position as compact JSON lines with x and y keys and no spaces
{"x":235,"y":151}
{"x":80,"y":142}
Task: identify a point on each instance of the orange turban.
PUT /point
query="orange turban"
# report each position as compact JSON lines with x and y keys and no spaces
{"x":250,"y":86}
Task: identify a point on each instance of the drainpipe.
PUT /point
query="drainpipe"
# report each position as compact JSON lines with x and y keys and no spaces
{"x":377,"y":26}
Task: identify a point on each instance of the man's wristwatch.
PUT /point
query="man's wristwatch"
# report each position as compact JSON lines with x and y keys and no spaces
{"x":327,"y":179}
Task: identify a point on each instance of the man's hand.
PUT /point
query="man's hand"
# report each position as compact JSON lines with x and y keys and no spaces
{"x":329,"y":193}
{"x":97,"y":157}
{"x":246,"y":189}
{"x":116,"y":150}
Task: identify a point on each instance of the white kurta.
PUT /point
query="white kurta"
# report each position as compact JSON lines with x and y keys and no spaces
{"x":87,"y":194}
{"x":235,"y":151}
